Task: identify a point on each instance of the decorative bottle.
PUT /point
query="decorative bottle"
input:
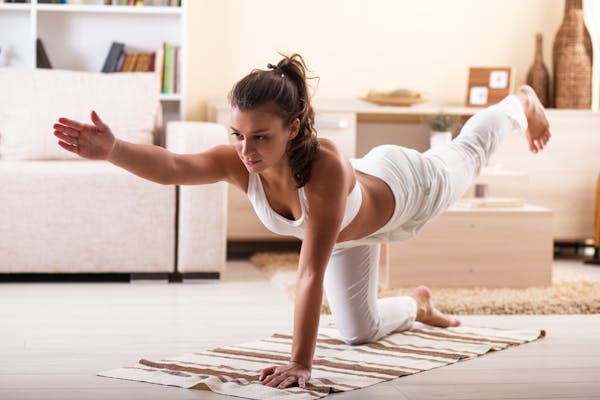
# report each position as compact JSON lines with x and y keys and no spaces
{"x":538,"y":77}
{"x":572,"y":60}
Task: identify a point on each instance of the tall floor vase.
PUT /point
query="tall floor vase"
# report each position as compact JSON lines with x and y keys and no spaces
{"x":572,"y":58}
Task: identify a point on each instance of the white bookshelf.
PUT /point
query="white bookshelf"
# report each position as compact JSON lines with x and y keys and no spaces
{"x":78,"y":37}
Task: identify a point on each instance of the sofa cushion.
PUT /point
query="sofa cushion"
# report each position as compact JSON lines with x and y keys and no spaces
{"x":83,"y":216}
{"x":32,"y":100}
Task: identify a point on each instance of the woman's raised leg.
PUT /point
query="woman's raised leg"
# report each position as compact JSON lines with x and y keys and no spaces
{"x":470,"y":151}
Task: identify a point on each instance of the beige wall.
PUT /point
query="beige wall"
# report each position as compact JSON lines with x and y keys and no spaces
{"x":357,"y":45}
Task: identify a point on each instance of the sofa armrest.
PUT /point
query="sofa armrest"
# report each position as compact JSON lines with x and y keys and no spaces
{"x":194,"y":137}
{"x":202,"y":209}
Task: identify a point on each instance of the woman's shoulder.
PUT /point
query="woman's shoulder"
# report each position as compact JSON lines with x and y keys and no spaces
{"x":237,"y":171}
{"x":327,"y":143}
{"x":329,"y":151}
{"x":330,"y":165}
{"x":228,"y":156}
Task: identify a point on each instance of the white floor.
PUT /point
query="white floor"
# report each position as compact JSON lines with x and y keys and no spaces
{"x":54,"y":338}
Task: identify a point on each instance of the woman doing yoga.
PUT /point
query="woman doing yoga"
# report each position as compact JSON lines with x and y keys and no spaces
{"x":341,"y":209}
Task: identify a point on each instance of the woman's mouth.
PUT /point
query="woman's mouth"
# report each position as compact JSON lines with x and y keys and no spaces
{"x":252,"y":162}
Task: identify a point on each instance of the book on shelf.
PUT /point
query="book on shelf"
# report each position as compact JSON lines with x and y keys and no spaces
{"x":167,"y":68}
{"x":170,"y":68}
{"x":128,"y":63}
{"x":120,"y":61}
{"x":174,"y":83}
{"x":42,"y":60}
{"x":159,"y":65}
{"x":144,"y":62}
{"x":112,"y":59}
{"x":164,"y":62}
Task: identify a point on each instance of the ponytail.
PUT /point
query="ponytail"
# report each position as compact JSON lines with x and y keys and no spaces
{"x":284,"y":87}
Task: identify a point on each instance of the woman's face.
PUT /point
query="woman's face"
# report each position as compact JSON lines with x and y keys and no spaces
{"x":260,"y":138}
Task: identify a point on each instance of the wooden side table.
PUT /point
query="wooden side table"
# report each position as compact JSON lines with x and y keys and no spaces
{"x":482,"y":247}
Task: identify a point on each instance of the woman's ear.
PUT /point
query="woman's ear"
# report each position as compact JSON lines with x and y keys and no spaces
{"x":294,"y":129}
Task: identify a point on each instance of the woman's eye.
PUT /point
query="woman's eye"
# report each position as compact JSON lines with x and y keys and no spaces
{"x":236,"y":135}
{"x":260,"y":138}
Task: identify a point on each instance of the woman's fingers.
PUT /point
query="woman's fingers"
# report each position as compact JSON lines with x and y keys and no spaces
{"x":282,"y":377}
{"x":66,"y":130}
{"x":277,"y":379}
{"x":531,"y":143}
{"x":266,"y":372}
{"x":267,"y":380}
{"x":66,"y":146}
{"x":287,"y":382}
{"x":97,"y":121}
{"x":71,"y":123}
{"x":270,"y":378}
{"x":66,"y":138}
{"x":302,"y":382}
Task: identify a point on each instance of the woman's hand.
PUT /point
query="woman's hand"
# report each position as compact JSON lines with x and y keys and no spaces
{"x":284,"y":376}
{"x":95,"y":142}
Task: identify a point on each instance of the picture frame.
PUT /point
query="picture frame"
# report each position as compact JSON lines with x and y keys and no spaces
{"x":488,"y":85}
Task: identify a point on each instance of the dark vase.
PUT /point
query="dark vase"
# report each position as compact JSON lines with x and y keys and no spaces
{"x":538,"y":77}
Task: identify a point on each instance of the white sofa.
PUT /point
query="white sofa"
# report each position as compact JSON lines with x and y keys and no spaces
{"x":59,"y":213}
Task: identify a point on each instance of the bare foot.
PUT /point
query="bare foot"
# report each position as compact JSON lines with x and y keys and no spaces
{"x":538,"y":132}
{"x":427,"y":313}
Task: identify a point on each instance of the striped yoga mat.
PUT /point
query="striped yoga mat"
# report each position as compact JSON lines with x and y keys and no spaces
{"x":337,"y":367}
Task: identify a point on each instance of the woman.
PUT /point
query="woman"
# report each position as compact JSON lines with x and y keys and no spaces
{"x":342,"y":209}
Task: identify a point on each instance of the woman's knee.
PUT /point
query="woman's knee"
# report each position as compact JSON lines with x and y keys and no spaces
{"x":358,"y":335}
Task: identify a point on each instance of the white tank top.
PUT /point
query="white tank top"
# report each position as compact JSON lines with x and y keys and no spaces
{"x":284,"y":226}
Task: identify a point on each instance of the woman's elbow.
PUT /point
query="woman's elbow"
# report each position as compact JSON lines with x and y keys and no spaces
{"x":310,"y":275}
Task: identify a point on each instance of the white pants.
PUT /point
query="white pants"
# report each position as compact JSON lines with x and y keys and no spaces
{"x":424,"y":184}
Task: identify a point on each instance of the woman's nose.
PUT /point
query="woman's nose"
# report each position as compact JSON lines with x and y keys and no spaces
{"x":246,"y":148}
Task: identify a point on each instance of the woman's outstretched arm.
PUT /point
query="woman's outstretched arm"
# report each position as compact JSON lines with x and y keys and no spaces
{"x":97,"y":142}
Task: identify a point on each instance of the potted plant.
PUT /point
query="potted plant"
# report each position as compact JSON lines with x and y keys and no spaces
{"x":441,"y":126}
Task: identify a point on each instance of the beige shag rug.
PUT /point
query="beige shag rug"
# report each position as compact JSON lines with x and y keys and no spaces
{"x":567,"y":295}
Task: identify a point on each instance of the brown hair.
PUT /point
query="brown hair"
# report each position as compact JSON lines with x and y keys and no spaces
{"x":284,"y":88}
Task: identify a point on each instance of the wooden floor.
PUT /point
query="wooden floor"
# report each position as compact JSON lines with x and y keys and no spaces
{"x":55,"y":337}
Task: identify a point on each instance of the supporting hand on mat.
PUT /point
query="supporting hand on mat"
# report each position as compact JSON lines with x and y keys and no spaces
{"x":95,"y":142}
{"x":285,"y":376}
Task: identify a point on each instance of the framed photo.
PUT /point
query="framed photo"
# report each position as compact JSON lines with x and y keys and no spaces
{"x":488,"y":85}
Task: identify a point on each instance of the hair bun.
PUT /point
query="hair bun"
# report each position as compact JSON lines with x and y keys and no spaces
{"x":276,"y":68}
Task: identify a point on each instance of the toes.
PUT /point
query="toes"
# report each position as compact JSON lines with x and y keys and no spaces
{"x":532,"y":146}
{"x":540,"y":144}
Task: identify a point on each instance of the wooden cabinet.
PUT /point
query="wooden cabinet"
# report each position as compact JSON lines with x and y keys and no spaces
{"x":494,"y":248}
